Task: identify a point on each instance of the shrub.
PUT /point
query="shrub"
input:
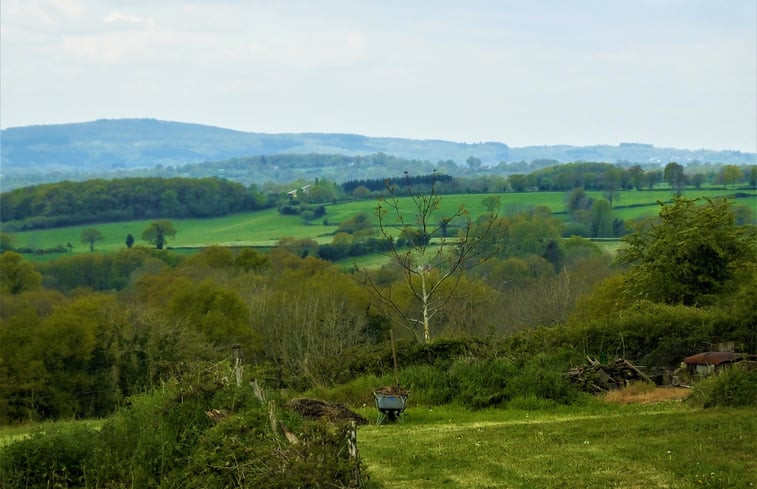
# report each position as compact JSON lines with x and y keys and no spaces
{"x":58,"y":457}
{"x":355,"y":393}
{"x":428,"y":385}
{"x":241,"y":451}
{"x":203,"y":434}
{"x":542,"y":377}
{"x":482,"y":383}
{"x":732,"y":387}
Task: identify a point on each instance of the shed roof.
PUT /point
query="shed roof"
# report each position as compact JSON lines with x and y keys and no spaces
{"x":714,"y":358}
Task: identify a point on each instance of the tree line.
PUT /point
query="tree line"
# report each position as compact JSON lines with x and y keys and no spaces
{"x":68,"y":203}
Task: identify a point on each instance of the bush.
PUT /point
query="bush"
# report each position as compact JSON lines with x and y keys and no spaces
{"x":242,"y":452}
{"x":201,"y":435}
{"x":731,"y":387}
{"x":428,"y":385}
{"x":542,"y":377}
{"x":482,"y":383}
{"x":355,"y":393}
{"x":58,"y":457}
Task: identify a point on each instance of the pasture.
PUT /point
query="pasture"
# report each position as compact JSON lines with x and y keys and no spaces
{"x":264,"y":228}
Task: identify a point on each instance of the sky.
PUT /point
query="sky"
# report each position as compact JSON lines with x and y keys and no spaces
{"x":673,"y":73}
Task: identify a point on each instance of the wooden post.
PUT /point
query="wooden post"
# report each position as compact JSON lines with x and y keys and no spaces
{"x":237,"y":365}
{"x":394,"y":357}
{"x":352,"y":449}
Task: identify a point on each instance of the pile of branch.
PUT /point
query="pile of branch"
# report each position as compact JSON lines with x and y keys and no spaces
{"x":596,"y":378}
{"x":329,"y":411}
{"x":392,"y":390}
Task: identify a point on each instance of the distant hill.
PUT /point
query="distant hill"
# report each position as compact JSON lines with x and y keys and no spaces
{"x":102,"y":147}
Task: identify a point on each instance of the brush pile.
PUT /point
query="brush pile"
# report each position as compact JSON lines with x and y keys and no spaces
{"x":596,"y":378}
{"x":329,"y":411}
{"x":392,"y":390}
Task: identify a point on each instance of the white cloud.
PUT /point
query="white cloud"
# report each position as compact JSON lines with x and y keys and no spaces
{"x":577,"y":72}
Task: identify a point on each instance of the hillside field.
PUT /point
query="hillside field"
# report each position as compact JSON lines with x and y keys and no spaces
{"x":265,"y":228}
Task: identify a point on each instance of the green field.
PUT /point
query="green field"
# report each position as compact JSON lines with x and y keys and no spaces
{"x":602,"y":445}
{"x":637,"y":446}
{"x":265,"y":228}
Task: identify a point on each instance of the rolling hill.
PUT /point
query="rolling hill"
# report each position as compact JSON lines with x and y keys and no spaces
{"x":106,"y":147}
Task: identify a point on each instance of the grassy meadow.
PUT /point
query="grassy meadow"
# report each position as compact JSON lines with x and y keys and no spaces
{"x":632,"y":446}
{"x":264,"y":228}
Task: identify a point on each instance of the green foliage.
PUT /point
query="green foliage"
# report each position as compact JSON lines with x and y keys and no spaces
{"x":102,"y":272}
{"x":482,"y":383}
{"x":731,"y":387}
{"x":91,"y":235}
{"x":542,"y":377}
{"x":675,"y":176}
{"x":158,"y":232}
{"x":17,"y":275}
{"x":693,"y":254}
{"x":428,"y":385}
{"x":60,"y":457}
{"x":166,"y":439}
{"x":215,"y":311}
{"x":122,"y":199}
{"x":356,"y":392}
{"x":7,"y":242}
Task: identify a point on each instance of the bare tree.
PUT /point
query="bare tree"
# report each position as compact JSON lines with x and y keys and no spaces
{"x":431,"y":264}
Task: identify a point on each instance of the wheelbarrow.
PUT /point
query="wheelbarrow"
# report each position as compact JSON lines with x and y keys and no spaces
{"x":389,"y":406}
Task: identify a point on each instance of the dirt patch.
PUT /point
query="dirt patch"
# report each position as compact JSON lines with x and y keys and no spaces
{"x":635,"y":394}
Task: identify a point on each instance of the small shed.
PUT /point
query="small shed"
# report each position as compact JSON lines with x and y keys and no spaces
{"x":708,"y":362}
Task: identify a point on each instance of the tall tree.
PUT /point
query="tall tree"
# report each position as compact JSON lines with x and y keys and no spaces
{"x":430,"y":271}
{"x":17,"y":275}
{"x":675,"y":176}
{"x":91,"y":235}
{"x":157,"y":233}
{"x":690,"y":255}
{"x":731,"y":174}
{"x":636,"y":174}
{"x":473,"y":163}
{"x":601,"y":219}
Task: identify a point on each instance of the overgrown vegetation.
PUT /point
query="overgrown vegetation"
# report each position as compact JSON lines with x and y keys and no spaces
{"x":199,"y":433}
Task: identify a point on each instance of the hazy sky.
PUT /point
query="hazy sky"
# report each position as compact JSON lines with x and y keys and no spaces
{"x":680,"y":73}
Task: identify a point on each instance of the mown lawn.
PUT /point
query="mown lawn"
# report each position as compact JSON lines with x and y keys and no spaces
{"x":663,"y":445}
